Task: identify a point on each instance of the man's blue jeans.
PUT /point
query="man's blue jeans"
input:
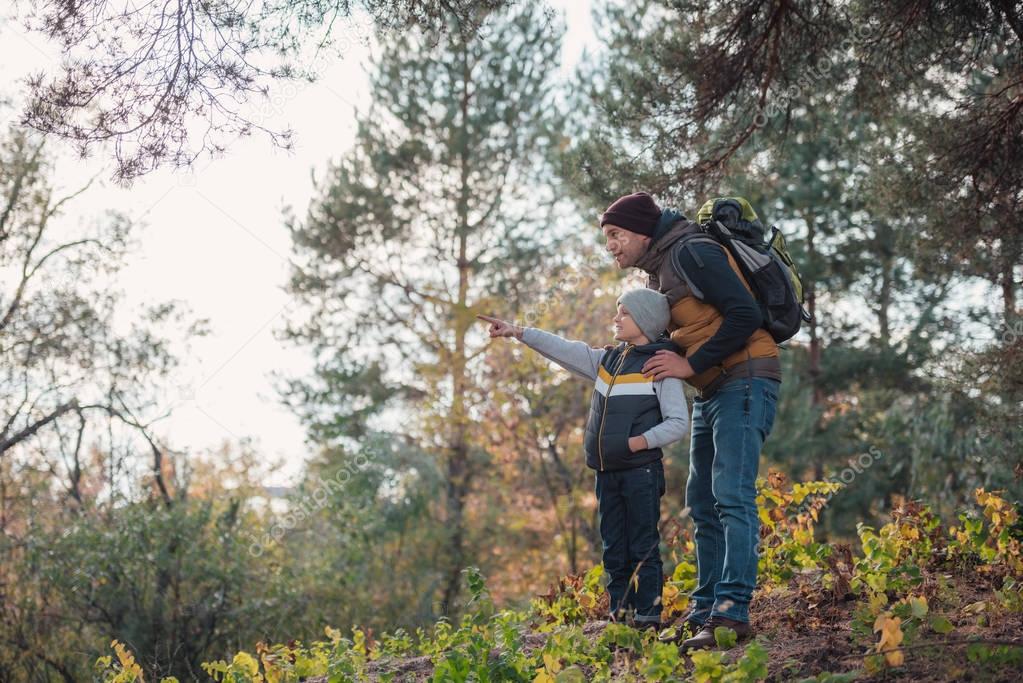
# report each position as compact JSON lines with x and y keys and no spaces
{"x":728,"y":432}
{"x":629,"y":502}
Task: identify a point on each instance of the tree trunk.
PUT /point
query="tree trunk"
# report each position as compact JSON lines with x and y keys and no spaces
{"x":884,"y":239}
{"x":817,"y":390}
{"x":1010,"y":258}
{"x":458,"y":461}
{"x":817,"y":393}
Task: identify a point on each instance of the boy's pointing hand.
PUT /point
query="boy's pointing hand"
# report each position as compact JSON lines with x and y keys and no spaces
{"x":667,"y":364}
{"x":501,"y":328}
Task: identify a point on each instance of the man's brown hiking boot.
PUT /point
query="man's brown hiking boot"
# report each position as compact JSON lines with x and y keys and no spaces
{"x":705,"y":638}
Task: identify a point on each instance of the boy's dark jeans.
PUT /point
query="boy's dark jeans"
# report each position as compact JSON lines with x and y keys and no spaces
{"x":629,"y":502}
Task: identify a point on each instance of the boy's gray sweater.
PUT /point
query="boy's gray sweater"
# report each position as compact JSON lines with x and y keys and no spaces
{"x":583,"y":360}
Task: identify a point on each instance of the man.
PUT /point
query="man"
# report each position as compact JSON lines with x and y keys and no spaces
{"x":733,"y":363}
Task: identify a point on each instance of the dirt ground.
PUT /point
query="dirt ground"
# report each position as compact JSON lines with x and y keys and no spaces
{"x":805,"y":638}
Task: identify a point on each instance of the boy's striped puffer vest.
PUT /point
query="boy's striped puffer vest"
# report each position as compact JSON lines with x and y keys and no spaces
{"x":624,"y":404}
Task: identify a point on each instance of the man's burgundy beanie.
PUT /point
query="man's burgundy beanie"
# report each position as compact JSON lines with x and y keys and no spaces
{"x":637,"y":212}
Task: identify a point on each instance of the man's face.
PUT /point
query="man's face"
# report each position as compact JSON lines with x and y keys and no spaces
{"x":625,"y":246}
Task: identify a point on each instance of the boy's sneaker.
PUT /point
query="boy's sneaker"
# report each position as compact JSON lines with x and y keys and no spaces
{"x":688,"y":618}
{"x":643,"y":625}
{"x":705,"y":638}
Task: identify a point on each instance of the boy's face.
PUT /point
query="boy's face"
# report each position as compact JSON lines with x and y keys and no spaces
{"x":626,"y":329}
{"x":625,"y":246}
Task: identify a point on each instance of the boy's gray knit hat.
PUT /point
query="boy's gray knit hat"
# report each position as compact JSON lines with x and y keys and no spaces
{"x":649,"y":308}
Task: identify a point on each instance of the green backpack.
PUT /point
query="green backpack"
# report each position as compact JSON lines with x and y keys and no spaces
{"x":765,"y":263}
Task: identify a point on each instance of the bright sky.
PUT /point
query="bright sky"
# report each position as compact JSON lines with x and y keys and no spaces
{"x":214,"y":239}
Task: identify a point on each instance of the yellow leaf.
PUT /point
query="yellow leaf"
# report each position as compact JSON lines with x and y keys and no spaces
{"x":892,"y":630}
{"x":132,"y":671}
{"x":245,"y":663}
{"x":543,"y":677}
{"x":975,"y":607}
{"x":894,"y":657}
{"x":551,"y":662}
{"x":272,"y":673}
{"x":877,"y":601}
{"x":122,"y":654}
{"x":891,"y":636}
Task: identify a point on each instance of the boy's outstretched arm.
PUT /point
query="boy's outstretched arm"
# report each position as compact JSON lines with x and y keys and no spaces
{"x":577,"y":357}
{"x":674,"y":414}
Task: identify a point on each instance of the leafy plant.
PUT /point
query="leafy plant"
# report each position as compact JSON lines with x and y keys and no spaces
{"x":125,"y":669}
{"x":789,"y":514}
{"x":710,"y":666}
{"x":995,"y":537}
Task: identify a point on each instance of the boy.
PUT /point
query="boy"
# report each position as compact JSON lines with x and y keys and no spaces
{"x":631,"y":418}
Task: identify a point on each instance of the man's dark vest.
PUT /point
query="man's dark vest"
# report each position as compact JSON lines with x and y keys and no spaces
{"x":624,"y":404}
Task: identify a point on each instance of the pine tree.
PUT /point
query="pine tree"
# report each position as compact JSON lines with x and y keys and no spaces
{"x":842,"y":122}
{"x":433,"y":217}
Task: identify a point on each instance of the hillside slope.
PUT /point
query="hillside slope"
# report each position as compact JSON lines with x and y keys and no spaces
{"x":916,"y":601}
{"x":804,"y":639}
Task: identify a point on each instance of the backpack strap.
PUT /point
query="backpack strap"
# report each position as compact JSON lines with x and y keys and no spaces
{"x":687,"y":243}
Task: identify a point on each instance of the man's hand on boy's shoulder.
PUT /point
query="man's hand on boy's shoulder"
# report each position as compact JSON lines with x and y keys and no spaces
{"x":665,"y":363}
{"x":501,"y":328}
